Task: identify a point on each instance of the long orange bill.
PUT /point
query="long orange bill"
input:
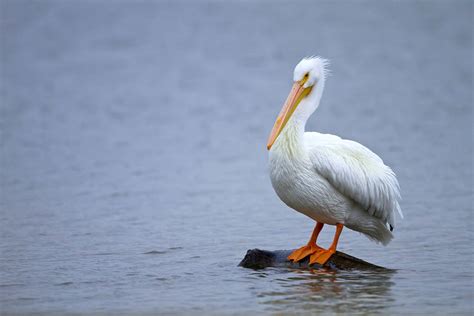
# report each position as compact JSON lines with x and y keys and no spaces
{"x":298,"y":92}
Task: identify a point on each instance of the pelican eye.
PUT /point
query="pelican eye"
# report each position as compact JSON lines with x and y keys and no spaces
{"x":305,"y":78}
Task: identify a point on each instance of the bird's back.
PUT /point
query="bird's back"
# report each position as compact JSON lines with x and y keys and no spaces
{"x":357,"y":173}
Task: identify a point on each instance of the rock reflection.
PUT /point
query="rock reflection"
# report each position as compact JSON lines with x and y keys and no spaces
{"x":329,"y":291}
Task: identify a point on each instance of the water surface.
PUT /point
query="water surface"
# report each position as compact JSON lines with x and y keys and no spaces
{"x":133,"y":164}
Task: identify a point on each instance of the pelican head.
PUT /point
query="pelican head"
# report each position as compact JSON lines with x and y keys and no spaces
{"x":308,"y":77}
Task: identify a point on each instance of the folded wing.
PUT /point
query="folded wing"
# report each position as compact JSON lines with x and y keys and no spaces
{"x":358,"y":173}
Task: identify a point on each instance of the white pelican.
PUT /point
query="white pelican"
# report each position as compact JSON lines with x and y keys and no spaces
{"x":331,"y":180}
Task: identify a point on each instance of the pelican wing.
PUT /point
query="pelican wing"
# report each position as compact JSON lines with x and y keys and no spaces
{"x":356,"y":172}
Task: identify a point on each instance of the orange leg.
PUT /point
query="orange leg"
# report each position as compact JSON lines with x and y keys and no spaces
{"x":310,"y":248}
{"x":323,"y":255}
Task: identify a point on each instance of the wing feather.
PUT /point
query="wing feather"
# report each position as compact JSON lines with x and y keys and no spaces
{"x":358,"y":173}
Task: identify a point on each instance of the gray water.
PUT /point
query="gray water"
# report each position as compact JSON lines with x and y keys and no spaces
{"x":133,"y":164}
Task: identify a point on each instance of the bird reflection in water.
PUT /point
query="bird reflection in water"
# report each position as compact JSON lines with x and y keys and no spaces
{"x":327,"y":290}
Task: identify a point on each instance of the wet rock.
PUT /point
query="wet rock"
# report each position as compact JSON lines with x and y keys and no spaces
{"x":260,"y":259}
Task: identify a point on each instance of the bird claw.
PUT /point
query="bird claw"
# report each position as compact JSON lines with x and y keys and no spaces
{"x":321,"y":256}
{"x":303,"y":252}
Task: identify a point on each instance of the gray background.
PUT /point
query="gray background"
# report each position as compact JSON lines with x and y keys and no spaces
{"x":133,"y":164}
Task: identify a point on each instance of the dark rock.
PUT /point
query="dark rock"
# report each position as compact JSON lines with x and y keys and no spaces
{"x":260,"y":259}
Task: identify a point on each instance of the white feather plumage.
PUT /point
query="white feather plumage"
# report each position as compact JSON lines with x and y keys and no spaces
{"x":330,"y":179}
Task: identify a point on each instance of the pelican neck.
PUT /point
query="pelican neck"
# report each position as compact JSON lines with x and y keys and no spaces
{"x":290,"y":139}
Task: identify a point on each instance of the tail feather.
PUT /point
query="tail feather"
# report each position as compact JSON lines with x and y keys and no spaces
{"x":373,"y":228}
